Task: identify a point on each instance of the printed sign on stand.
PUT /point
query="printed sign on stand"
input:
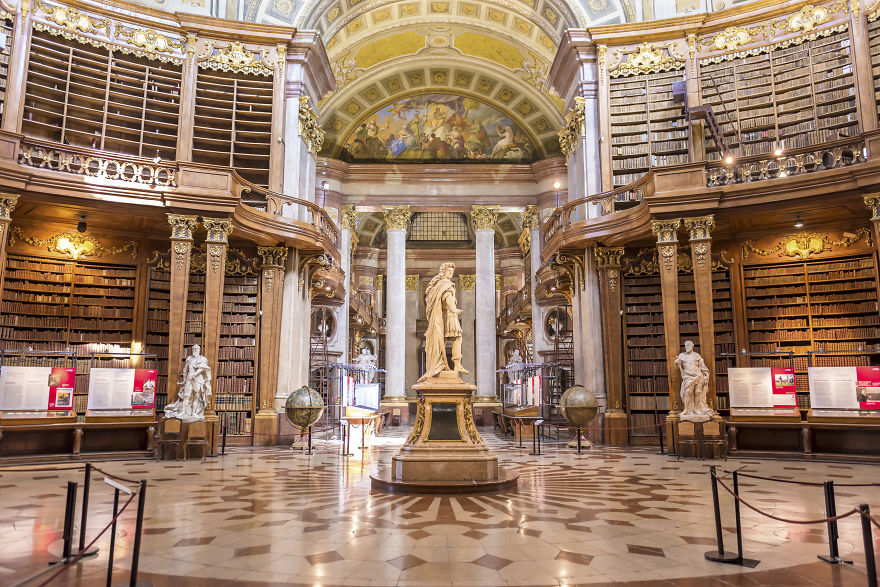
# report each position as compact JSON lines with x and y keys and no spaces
{"x":762,"y":387}
{"x":845,"y":388}
{"x":122,"y":389}
{"x":36,"y":388}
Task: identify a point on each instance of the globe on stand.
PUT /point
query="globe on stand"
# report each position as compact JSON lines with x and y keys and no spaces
{"x":579,"y":406}
{"x":303,"y":408}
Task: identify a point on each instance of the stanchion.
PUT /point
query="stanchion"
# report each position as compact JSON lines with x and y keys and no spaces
{"x":224,"y":439}
{"x":69,"y":512}
{"x":536,"y":448}
{"x":660,"y":434}
{"x":84,"y":515}
{"x":346,"y":433}
{"x":719,"y":556}
{"x":138,"y":530}
{"x":868,"y":538}
{"x":309,"y":451}
{"x":830,"y":512}
{"x":112,"y":537}
{"x":745,"y":562}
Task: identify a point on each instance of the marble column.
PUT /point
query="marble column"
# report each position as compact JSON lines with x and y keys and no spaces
{"x":666,"y":232}
{"x":413,"y":343}
{"x":293,"y":346}
{"x":611,"y":288}
{"x":532,"y":223}
{"x":347,"y":243}
{"x":484,"y":219}
{"x":699,"y":230}
{"x":7,"y":205}
{"x":396,"y":225}
{"x":271,"y":300}
{"x":468,"y":304}
{"x":216,"y":245}
{"x":589,"y":323}
{"x":182,"y":228}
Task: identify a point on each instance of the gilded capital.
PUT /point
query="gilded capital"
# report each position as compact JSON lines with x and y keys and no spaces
{"x":273,"y":256}
{"x":700,"y":227}
{"x":666,"y":230}
{"x":608,"y":256}
{"x":530,"y":218}
{"x":412,"y":283}
{"x":498,"y":281}
{"x":218,"y":229}
{"x":349,"y":218}
{"x":380,"y":281}
{"x":7,"y":205}
{"x":484,"y":217}
{"x":182,"y":226}
{"x":467,"y":281}
{"x":396,"y":217}
{"x":872,"y":201}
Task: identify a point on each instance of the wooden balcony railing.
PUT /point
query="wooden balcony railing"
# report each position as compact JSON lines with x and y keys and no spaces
{"x":514,"y":304}
{"x":289,"y":207}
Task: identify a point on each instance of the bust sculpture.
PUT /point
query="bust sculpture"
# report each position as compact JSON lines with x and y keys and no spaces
{"x":367,"y":362}
{"x":694,"y":385}
{"x":194,"y":389}
{"x":443,"y":312}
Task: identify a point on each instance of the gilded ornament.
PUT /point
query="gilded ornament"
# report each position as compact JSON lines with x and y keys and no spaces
{"x":216,"y":252}
{"x":238,"y":264}
{"x":191,"y":39}
{"x":872,"y":201}
{"x":396,"y":217}
{"x":419,"y":424}
{"x":469,"y":425}
{"x":234,"y":57}
{"x":647,"y":58}
{"x":180,"y":250}
{"x":218,"y":229}
{"x":269,"y":279}
{"x":700,"y":227}
{"x":182,"y":226}
{"x":701,"y":252}
{"x":531,"y":218}
{"x":731,"y":38}
{"x":160,"y":260}
{"x":573,"y":266}
{"x":497,"y":281}
{"x":349,"y":217}
{"x":467,"y":281}
{"x":74,"y":244}
{"x":692,"y":51}
{"x":613,"y":275}
{"x":597,"y":5}
{"x":150,"y":40}
{"x":7,"y":205}
{"x":525,"y":241}
{"x":412,"y":283}
{"x":380,"y":281}
{"x":365,"y":280}
{"x":484,"y":217}
{"x":602,"y":51}
{"x":272,"y":256}
{"x":668,"y":254}
{"x":804,"y":244}
{"x":608,"y":256}
{"x":666,"y":231}
{"x":574,"y":127}
{"x":809,"y":17}
{"x":72,"y":19}
{"x":311,"y":133}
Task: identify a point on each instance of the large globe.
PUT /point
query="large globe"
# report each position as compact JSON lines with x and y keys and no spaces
{"x":578,"y":406}
{"x":304,"y":407}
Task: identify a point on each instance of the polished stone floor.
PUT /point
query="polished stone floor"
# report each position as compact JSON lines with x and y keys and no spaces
{"x":270,"y":515}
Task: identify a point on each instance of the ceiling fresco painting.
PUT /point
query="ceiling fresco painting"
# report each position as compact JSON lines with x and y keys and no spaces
{"x":438,"y":127}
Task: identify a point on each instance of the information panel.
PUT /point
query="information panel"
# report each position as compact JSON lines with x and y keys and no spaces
{"x":122,"y":389}
{"x":845,"y":388}
{"x":762,"y":387}
{"x":36,"y":388}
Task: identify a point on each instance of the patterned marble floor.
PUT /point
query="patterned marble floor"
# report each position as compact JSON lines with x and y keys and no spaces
{"x":270,"y":515}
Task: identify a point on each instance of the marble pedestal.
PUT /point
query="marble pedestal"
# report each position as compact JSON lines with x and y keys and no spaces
{"x":444,"y":452}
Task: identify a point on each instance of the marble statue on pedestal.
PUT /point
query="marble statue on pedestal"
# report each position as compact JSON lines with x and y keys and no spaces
{"x":515,"y":359}
{"x":694,"y":385}
{"x":443,"y":312}
{"x":367,"y":362}
{"x":194,"y":389}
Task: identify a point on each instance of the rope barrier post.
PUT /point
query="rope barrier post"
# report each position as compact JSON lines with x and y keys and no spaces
{"x":745,"y":562}
{"x":536,"y":439}
{"x":69,"y":512}
{"x":719,"y":556}
{"x":112,"y":537}
{"x":225,"y":426}
{"x":579,"y":439}
{"x":309,"y":451}
{"x":830,"y":512}
{"x":87,"y":480}
{"x":138,"y":530}
{"x":870,"y":563}
{"x":660,"y":434}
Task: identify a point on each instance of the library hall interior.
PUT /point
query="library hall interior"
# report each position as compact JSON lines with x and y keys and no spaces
{"x":470,"y":293}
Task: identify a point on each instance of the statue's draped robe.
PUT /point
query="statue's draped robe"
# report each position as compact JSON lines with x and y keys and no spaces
{"x":441,"y":324}
{"x":193,"y":397}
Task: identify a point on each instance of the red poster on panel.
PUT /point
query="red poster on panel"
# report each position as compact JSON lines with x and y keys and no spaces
{"x":61,"y":385}
{"x":868,"y":387}
{"x":784,"y":387}
{"x":144,"y":393}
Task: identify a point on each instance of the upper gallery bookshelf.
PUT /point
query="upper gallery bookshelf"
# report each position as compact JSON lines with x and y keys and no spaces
{"x":784,"y":97}
{"x":100,"y":98}
{"x":233,"y":122}
{"x":647,"y":128}
{"x":5,"y":48}
{"x":874,"y":44}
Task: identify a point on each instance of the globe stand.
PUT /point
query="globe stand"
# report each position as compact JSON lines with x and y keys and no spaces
{"x":308,"y":450}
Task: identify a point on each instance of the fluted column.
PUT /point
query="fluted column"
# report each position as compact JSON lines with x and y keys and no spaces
{"x":611,"y":290}
{"x":699,"y":230}
{"x":666,"y":232}
{"x":484,"y":219}
{"x":7,"y":205}
{"x":271,"y":295}
{"x":396,"y":226}
{"x":182,"y":228}
{"x":216,"y":245}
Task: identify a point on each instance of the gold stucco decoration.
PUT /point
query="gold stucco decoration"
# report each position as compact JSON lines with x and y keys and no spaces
{"x":484,"y":217}
{"x":7,"y":205}
{"x":467,"y":281}
{"x":72,"y":19}
{"x":804,"y":244}
{"x":235,"y":57}
{"x":151,"y":41}
{"x":396,"y":217}
{"x":647,"y":58}
{"x":666,"y":231}
{"x":412,"y":283}
{"x":731,"y":38}
{"x":74,"y":244}
{"x":810,"y":16}
{"x":574,"y":127}
{"x":182,"y":226}
{"x":311,"y":133}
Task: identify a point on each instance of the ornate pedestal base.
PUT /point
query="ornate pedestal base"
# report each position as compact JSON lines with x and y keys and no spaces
{"x":444,"y":451}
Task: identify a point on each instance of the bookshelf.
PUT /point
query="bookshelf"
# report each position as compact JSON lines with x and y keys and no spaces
{"x":195,"y":309}
{"x":234,"y":401}
{"x":815,"y":305}
{"x":101,"y":98}
{"x":6,"y":28}
{"x":36,"y":304}
{"x":102,"y":307}
{"x":158,"y":307}
{"x":788,"y":96}
{"x":233,"y":122}
{"x":722,"y":314}
{"x":647,"y":129}
{"x":874,"y":47}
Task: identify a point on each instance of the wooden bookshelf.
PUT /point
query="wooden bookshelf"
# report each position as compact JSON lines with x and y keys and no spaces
{"x":874,"y":46}
{"x":195,"y":310}
{"x":100,"y":98}
{"x":234,"y":400}
{"x":6,"y":27}
{"x":647,"y":129}
{"x":787,"y":97}
{"x":36,"y":304}
{"x":102,"y":307}
{"x":233,"y":122}
{"x":158,"y":306}
{"x":722,"y":310}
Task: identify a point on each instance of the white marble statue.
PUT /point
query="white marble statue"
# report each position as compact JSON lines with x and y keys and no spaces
{"x":194,"y":389}
{"x":515,"y":359}
{"x":367,"y":361}
{"x":694,"y":385}
{"x":443,"y":322}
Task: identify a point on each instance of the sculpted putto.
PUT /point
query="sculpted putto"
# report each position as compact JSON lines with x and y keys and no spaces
{"x":694,"y":385}
{"x":443,"y":312}
{"x":194,"y":389}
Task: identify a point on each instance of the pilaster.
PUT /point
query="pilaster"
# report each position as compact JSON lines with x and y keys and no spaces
{"x":187,"y":100}
{"x":609,"y":264}
{"x":864,"y":80}
{"x":271,"y":293}
{"x":182,"y":228}
{"x":7,"y":205}
{"x":13,"y":109}
{"x":699,"y":230}
{"x":216,"y":246}
{"x":666,"y":232}
{"x":484,"y":219}
{"x":276,"y":147}
{"x":872,"y":201}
